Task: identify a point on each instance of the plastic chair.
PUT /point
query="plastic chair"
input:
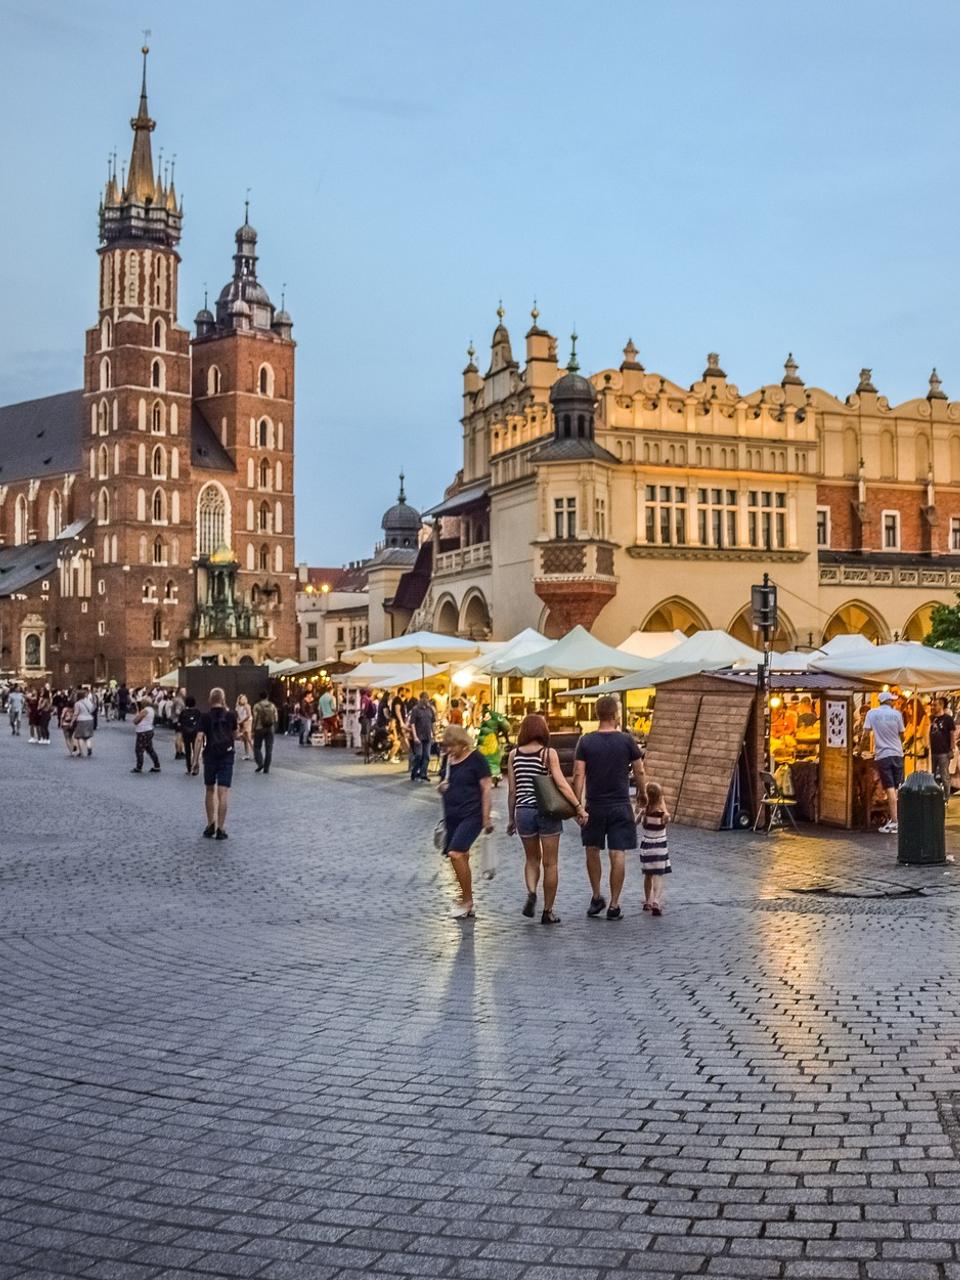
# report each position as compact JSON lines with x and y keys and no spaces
{"x":776,"y":803}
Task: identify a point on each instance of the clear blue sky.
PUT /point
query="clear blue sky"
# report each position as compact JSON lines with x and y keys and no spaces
{"x":749,"y":178}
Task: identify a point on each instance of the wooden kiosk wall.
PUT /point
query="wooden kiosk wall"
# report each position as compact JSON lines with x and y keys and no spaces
{"x":699,"y":725}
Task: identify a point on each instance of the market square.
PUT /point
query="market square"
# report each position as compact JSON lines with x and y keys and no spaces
{"x":479,"y":642}
{"x":282,"y":1057}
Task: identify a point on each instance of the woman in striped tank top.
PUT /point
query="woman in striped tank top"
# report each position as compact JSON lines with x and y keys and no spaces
{"x":534,"y":757}
{"x":654,"y":854}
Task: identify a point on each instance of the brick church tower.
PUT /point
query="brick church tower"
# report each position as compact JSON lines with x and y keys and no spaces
{"x":243,"y":385}
{"x":135,"y":484}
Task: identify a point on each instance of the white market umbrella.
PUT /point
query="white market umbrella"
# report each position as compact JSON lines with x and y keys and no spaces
{"x":170,"y":681}
{"x":382,"y":675}
{"x":278,"y":668}
{"x":418,"y":646}
{"x":651,"y":644}
{"x":906,"y":663}
{"x":577,"y":654}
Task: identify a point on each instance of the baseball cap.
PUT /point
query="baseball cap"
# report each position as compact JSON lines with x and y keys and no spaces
{"x":886,"y":696}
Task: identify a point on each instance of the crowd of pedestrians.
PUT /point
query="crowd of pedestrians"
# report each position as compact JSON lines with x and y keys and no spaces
{"x":201,"y":739}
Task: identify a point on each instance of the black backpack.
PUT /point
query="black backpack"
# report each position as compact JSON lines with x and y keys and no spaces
{"x":189,"y":720}
{"x":221,"y":735}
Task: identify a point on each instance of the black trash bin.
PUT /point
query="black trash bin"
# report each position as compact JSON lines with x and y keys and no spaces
{"x":922,"y":820}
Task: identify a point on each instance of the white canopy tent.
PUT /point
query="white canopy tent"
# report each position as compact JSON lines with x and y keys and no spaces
{"x":703,"y":651}
{"x":418,"y":646}
{"x":383,"y":675}
{"x":906,"y":663}
{"x":651,"y":644}
{"x":577,"y":654}
{"x":844,"y":644}
{"x":524,"y":642}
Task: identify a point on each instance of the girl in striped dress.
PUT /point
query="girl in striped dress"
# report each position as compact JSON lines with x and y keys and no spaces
{"x":654,"y":855}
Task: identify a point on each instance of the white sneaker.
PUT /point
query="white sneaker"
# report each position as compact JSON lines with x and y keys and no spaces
{"x":889,"y":829}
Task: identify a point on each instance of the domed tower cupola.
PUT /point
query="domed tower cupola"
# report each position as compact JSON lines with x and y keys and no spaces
{"x":401,"y":523}
{"x":283,"y":321}
{"x":573,"y":400}
{"x":204,"y":321}
{"x":245,"y":287}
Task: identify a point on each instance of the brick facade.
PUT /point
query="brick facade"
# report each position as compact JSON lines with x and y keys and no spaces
{"x":176,"y":493}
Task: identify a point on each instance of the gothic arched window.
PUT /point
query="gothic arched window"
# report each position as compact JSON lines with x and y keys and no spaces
{"x":264,"y":430}
{"x":158,"y":334}
{"x":264,"y":522}
{"x":265,"y":382}
{"x":159,"y":506}
{"x":103,"y":507}
{"x":213,"y":381}
{"x":103,"y":463}
{"x":156,"y":374}
{"x":264,"y":474}
{"x":264,"y":558}
{"x":20,"y":521}
{"x":54,"y":514}
{"x":211,"y":520}
{"x":156,"y":418}
{"x":158,"y":625}
{"x":158,"y":462}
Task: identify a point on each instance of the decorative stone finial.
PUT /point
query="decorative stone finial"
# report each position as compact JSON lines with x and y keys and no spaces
{"x":500,"y":311}
{"x":865,"y":383}
{"x":534,"y":313}
{"x":630,"y":360}
{"x":402,"y":497}
{"x":713,"y":369}
{"x":471,"y":351}
{"x":790,"y":368}
{"x":935,"y":392}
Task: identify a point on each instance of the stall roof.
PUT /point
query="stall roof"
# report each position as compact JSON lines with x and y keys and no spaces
{"x":801,"y":681}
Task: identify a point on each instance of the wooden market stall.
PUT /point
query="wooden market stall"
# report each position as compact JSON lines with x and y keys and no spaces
{"x":706,"y":747}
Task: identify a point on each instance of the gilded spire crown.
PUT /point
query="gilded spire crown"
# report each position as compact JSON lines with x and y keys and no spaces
{"x":143,"y":206}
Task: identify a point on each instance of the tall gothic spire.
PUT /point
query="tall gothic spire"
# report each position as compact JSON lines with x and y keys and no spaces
{"x":143,"y":206}
{"x":141,"y":187}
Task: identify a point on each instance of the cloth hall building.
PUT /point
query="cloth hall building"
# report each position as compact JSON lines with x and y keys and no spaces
{"x":148,"y":518}
{"x":626,"y":501}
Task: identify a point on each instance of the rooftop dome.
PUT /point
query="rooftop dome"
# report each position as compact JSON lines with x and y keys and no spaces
{"x":401,"y":523}
{"x":573,"y":385}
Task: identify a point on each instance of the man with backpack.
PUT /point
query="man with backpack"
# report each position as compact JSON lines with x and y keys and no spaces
{"x":264,"y":725}
{"x":215,"y":739}
{"x":188,"y":725}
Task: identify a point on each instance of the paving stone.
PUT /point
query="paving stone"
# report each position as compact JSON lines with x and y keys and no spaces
{"x":210,"y":1065}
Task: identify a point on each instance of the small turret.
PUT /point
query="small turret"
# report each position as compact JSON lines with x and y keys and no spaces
{"x":573,"y":400}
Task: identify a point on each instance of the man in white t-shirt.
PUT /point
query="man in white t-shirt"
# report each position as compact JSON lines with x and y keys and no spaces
{"x":886,"y":724}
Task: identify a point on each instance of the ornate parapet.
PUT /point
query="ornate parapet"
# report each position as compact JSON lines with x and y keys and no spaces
{"x":882,"y":575}
{"x":574,"y":580}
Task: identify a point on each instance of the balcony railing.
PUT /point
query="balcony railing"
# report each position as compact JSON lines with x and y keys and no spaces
{"x":463,"y":559}
{"x":574,"y":560}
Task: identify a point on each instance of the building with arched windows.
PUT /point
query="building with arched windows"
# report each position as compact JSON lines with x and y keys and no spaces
{"x":148,"y":472}
{"x":626,"y":500}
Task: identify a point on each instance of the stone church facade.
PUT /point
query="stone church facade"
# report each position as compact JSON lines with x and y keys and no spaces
{"x":148,"y":519}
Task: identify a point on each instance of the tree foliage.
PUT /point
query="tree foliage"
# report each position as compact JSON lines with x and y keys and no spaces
{"x":945,"y":627}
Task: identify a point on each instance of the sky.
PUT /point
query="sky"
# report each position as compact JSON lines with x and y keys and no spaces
{"x":747,"y":178}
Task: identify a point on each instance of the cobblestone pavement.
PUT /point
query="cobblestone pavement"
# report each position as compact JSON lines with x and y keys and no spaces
{"x":277,"y":1057}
